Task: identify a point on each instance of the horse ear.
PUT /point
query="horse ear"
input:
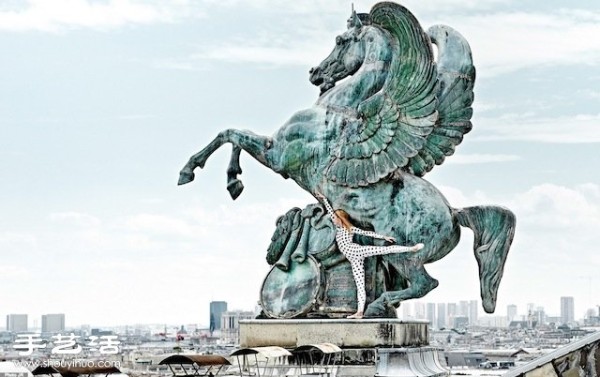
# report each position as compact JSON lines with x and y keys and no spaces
{"x":354,"y":21}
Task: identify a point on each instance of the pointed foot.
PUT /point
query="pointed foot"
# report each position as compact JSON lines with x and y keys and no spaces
{"x":235,"y":188}
{"x":186,"y":175}
{"x":357,"y":315}
{"x":418,"y":247}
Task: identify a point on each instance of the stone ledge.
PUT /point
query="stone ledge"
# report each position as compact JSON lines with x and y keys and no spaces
{"x":345,"y":333}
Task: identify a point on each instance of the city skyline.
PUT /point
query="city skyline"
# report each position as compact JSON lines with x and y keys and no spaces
{"x":104,"y":101}
{"x":418,"y":309}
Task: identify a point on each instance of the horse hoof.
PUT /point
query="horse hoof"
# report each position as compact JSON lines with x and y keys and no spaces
{"x":185,"y":176}
{"x":375,"y":309}
{"x":235,"y":188}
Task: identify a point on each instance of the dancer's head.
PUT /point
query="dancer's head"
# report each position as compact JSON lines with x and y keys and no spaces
{"x":342,"y":219}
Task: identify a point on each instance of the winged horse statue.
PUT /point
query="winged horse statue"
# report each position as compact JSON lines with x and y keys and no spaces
{"x":389,"y":110}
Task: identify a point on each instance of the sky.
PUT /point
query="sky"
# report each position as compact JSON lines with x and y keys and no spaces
{"x":103,"y":101}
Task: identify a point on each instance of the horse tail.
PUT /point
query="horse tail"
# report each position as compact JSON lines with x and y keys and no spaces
{"x":493,"y":228}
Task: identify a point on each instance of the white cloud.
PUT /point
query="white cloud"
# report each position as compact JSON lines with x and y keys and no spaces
{"x":10,"y":273}
{"x":75,"y":218}
{"x":17,"y":241}
{"x":582,"y":128}
{"x":59,"y":15}
{"x":502,"y":42}
{"x":481,"y":158}
{"x":153,"y":224}
{"x":552,"y":207}
{"x":594,"y":94}
{"x":505,"y":42}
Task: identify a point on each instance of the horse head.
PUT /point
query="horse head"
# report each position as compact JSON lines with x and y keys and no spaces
{"x":363,"y":46}
{"x":348,"y":55}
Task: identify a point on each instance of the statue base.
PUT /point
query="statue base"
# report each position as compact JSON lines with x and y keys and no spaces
{"x":370,"y":347}
{"x":345,"y":333}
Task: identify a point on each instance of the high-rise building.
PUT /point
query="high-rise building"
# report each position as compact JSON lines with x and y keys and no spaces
{"x":451,"y":309}
{"x":406,"y":312}
{"x":53,"y":323}
{"x":16,"y":322}
{"x":473,"y":311}
{"x":511,"y":312}
{"x":431,"y":314}
{"x":540,"y":315}
{"x":463,"y":308}
{"x":567,"y":309}
{"x":441,"y":315}
{"x":217,"y":308}
{"x":419,"y":310}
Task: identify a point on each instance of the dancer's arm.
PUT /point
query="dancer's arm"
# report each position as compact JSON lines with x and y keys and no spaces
{"x":372,"y":234}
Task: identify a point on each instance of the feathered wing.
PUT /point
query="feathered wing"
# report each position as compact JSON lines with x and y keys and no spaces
{"x":393,"y":125}
{"x":456,"y":77}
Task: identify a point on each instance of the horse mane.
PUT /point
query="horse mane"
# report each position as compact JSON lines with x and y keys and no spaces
{"x":413,"y":55}
{"x":395,"y":122}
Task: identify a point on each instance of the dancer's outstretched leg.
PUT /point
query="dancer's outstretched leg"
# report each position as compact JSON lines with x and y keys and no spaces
{"x":370,"y":251}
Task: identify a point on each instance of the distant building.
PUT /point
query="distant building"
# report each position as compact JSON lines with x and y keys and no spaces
{"x":230,"y":325}
{"x":464,"y":358}
{"x":100,"y":332}
{"x":16,"y":322}
{"x":473,"y":311}
{"x":419,"y":310}
{"x":53,"y":323}
{"x":463,"y":308}
{"x":406,"y":313}
{"x":6,"y":337}
{"x":530,"y":308}
{"x":528,"y":324}
{"x":441,"y":315}
{"x":217,"y":308}
{"x":511,"y":312}
{"x":567,"y":310}
{"x":540,"y":315}
{"x":431,"y":314}
{"x":461,"y":321}
{"x":496,"y":321}
{"x":451,"y":312}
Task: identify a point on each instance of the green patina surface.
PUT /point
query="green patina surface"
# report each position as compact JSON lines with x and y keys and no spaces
{"x":366,"y":144}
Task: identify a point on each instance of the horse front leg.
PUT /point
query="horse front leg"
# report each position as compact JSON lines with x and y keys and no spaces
{"x":256,"y":145}
{"x":234,"y":185}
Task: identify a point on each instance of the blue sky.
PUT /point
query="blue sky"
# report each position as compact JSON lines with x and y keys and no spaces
{"x":102,"y":102}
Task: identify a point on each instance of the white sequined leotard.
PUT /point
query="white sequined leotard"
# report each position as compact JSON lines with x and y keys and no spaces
{"x":356,"y":253}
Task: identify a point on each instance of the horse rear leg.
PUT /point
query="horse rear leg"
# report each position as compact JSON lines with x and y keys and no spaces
{"x":419,"y":284}
{"x":255,"y":145}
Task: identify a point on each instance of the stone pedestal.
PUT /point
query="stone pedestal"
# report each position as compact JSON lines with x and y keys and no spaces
{"x":345,"y":333}
{"x":370,"y":347}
